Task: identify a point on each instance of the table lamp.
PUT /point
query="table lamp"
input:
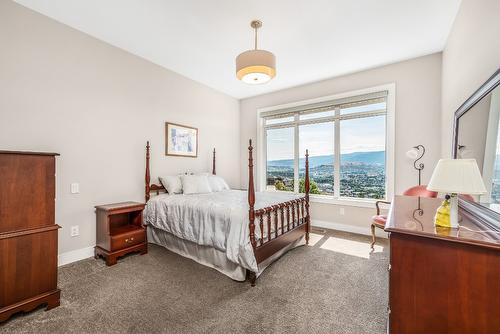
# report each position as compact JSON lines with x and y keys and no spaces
{"x":456,"y":176}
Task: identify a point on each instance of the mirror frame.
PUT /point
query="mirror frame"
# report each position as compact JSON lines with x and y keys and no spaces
{"x":481,"y":215}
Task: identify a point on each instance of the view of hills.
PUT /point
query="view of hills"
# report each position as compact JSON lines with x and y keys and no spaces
{"x":362,"y":174}
{"x":376,"y":157}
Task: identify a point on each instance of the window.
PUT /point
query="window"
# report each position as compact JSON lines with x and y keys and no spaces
{"x":318,"y":139}
{"x":362,"y":159}
{"x":346,"y":138}
{"x":280,"y":171}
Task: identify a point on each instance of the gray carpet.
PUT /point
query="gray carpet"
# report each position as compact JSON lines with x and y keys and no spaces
{"x":309,"y":290}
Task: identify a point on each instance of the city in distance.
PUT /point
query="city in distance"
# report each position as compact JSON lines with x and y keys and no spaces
{"x":362,"y":174}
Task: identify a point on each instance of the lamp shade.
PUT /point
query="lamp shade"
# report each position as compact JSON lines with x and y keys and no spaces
{"x":255,"y":66}
{"x":412,"y":154}
{"x":457,"y":176}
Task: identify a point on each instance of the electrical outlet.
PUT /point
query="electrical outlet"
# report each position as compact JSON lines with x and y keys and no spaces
{"x":75,"y":231}
{"x":342,"y":211}
{"x":75,"y":188}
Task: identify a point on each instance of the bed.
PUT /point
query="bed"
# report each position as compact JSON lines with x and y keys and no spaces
{"x":238,"y":233}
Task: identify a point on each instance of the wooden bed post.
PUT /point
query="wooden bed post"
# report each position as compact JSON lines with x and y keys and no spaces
{"x":251,"y":203}
{"x":213,"y":163}
{"x":251,"y":195}
{"x":148,"y":177}
{"x":307,"y":186}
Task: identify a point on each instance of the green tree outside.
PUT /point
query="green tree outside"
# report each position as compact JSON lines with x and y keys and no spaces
{"x":313,"y":187}
{"x":280,"y":186}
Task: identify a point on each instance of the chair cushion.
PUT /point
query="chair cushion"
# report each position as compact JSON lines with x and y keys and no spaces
{"x":420,"y":191}
{"x":380,"y":220}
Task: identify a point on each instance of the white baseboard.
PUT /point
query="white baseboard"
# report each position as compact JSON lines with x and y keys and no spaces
{"x":76,"y":255}
{"x":348,"y":228}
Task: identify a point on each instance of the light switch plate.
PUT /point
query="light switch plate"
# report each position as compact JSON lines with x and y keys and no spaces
{"x":75,"y":188}
{"x":75,"y":231}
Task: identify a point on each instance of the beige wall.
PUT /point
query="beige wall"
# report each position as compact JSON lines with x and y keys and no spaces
{"x":63,"y":91}
{"x":418,"y":117}
{"x":471,"y":56}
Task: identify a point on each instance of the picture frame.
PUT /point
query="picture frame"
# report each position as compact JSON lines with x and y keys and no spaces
{"x":181,"y":140}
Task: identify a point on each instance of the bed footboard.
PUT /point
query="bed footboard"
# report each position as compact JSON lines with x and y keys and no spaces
{"x":281,"y":224}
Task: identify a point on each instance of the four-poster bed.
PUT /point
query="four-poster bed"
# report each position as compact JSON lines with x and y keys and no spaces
{"x":276,"y":223}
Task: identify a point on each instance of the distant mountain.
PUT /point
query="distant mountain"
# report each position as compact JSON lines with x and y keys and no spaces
{"x":377,"y":157}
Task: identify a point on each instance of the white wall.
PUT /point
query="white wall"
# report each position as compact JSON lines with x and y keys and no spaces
{"x":63,"y":91}
{"x":471,"y":56}
{"x":418,"y":118}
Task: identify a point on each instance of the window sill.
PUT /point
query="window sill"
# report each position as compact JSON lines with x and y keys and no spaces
{"x":357,"y":202}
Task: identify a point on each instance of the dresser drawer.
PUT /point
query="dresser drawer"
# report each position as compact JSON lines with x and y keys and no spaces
{"x":129,"y":239}
{"x":28,"y":266}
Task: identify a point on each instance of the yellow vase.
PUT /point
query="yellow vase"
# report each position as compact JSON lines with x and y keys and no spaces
{"x":442,"y":217}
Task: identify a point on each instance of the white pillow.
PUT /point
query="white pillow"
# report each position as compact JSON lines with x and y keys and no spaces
{"x":195,"y":184}
{"x":217,"y":183}
{"x":225,"y":186}
{"x":172,"y":184}
{"x":214,"y":183}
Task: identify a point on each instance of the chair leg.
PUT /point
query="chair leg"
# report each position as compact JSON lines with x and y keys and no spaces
{"x":373,"y":236}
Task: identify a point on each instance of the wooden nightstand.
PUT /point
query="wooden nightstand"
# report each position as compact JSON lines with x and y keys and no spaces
{"x":119,"y":231}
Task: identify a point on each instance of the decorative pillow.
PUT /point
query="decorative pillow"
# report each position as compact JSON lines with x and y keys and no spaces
{"x":225,"y":186}
{"x":195,"y":184}
{"x":172,"y":184}
{"x":217,"y":183}
{"x":214,"y":183}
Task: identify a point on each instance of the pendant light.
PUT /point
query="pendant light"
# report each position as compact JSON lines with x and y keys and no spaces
{"x":255,"y":66}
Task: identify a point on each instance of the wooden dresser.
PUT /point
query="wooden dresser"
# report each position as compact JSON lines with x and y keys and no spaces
{"x":28,"y":233}
{"x":440,"y":280}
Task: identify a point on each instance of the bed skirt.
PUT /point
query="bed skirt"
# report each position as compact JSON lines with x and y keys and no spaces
{"x":209,"y":256}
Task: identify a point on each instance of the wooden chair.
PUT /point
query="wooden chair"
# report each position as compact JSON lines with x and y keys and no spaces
{"x":379,"y":220}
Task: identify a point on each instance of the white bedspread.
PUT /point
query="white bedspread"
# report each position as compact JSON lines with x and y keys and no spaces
{"x":219,"y":220}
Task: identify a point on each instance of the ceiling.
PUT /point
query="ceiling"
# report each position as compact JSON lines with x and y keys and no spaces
{"x":312,"y":39}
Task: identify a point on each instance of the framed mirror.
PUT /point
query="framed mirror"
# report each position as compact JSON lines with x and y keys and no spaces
{"x":476,"y":135}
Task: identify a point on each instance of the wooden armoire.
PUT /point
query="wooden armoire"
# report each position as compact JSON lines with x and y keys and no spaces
{"x":28,"y":233}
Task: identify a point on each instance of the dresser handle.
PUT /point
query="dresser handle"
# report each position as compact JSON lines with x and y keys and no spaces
{"x":126,"y":240}
{"x":131,"y":239}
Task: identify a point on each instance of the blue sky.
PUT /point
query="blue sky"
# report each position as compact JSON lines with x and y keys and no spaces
{"x":356,"y":135}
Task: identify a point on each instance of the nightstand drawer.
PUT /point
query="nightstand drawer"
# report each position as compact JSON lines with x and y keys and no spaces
{"x":126,"y":240}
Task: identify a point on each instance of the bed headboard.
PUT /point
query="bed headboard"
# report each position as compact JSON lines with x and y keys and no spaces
{"x":158,"y":188}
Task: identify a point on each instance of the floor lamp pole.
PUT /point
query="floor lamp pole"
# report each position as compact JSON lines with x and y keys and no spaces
{"x":419,"y":166}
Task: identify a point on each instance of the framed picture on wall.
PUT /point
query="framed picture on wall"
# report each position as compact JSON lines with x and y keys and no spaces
{"x":181,"y":140}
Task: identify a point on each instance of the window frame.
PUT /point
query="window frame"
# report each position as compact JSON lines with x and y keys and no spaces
{"x":261,"y":142}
